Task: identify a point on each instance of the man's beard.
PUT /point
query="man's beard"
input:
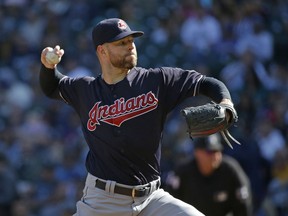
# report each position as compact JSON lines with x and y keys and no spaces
{"x":126,"y":62}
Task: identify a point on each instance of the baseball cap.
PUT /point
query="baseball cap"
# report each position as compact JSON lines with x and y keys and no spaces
{"x":210,"y":143}
{"x":110,"y":30}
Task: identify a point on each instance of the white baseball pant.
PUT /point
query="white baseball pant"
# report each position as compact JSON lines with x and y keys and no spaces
{"x":96,"y":202}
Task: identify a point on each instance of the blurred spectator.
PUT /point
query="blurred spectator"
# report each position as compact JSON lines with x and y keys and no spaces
{"x":21,"y":208}
{"x":213,"y":183}
{"x":200,"y":32}
{"x":7,"y":186}
{"x":278,"y":188}
{"x":74,"y":69}
{"x":246,"y":73}
{"x":22,"y":92}
{"x":49,"y":197}
{"x":259,"y":37}
{"x":70,"y":168}
{"x":279,"y":75}
{"x":269,"y":139}
{"x":32,"y":28}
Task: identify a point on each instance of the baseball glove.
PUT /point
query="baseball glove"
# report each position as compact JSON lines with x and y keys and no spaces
{"x":210,"y":118}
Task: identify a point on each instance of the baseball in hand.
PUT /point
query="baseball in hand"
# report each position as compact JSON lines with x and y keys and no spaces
{"x":52,"y":58}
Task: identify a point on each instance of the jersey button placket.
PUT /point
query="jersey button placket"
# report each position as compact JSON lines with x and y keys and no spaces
{"x":116,"y":130}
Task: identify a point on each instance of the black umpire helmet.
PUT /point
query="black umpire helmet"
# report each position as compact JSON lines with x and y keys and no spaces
{"x":210,"y":143}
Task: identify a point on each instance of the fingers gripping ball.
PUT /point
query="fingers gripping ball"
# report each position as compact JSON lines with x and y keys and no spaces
{"x":209,"y":119}
{"x":52,"y":58}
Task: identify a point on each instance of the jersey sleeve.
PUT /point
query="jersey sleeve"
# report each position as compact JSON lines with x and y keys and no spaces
{"x":179,"y":85}
{"x":72,"y":90}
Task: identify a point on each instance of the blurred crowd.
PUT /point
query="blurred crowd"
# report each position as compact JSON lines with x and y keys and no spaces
{"x":244,"y":43}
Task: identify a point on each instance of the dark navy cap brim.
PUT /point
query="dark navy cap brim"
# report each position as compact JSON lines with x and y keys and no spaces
{"x":126,"y":34}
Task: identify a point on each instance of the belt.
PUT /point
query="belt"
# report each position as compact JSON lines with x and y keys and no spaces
{"x":133,"y":192}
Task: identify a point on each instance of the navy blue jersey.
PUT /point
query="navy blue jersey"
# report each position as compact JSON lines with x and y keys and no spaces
{"x":122,"y":123}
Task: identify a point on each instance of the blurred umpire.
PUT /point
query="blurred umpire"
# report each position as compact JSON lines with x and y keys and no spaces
{"x":212,"y":182}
